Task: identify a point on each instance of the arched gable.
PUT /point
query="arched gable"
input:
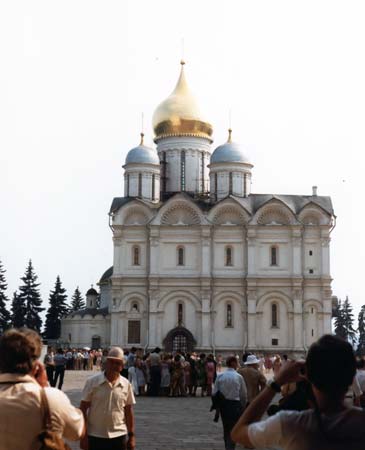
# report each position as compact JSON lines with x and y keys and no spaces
{"x":272,"y":296}
{"x":133,"y":213}
{"x":228,"y":212}
{"x":313,"y":302}
{"x":226,"y":296}
{"x":179,"y":210}
{"x":133,"y":297}
{"x":274,"y":212}
{"x":313,"y":214}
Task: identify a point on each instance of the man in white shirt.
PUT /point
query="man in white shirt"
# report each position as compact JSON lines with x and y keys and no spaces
{"x":231,"y":386}
{"x":330,"y":368}
{"x":107,"y":403}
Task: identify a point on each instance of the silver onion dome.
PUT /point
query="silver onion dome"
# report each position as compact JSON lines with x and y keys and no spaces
{"x":229,"y":152}
{"x":142,"y":155}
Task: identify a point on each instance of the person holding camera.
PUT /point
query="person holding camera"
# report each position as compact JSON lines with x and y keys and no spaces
{"x":331,"y":425}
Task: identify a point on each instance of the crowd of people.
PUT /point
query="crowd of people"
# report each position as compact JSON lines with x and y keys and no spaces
{"x":312,"y":411}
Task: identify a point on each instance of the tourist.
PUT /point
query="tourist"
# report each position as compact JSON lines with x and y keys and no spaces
{"x":254,"y":379}
{"x":201,"y":374}
{"x":68,"y":355}
{"x":193,"y":375}
{"x":276,"y":365}
{"x":99,"y":355}
{"x":141,"y":376}
{"x":132,"y":378}
{"x":360,"y":375}
{"x":60,"y":362}
{"x":330,"y":368}
{"x":165,"y":375}
{"x":49,"y":364}
{"x":231,"y":386}
{"x":210,"y":373}
{"x":131,"y":357}
{"x":107,"y":404}
{"x":85,"y":361}
{"x":187,"y":375}
{"x":22,"y":378}
{"x":177,"y":378}
{"x":219,"y":363}
{"x":154,"y":361}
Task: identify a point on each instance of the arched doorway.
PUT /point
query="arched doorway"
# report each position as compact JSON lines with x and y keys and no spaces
{"x":179,"y":339}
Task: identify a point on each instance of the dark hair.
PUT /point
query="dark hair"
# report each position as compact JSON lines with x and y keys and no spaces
{"x":230,"y":360}
{"x":19,"y":349}
{"x":60,"y":351}
{"x":360,"y":363}
{"x":331,"y":365}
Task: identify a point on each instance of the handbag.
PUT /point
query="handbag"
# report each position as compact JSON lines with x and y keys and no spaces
{"x":50,"y":440}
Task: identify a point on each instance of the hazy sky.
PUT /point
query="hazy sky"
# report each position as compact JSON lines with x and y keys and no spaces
{"x":76,"y":75}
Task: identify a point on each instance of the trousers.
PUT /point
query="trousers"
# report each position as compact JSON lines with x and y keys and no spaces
{"x":97,"y":443}
{"x":231,"y":411}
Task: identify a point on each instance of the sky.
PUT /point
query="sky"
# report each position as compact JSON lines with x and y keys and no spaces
{"x":76,"y":76}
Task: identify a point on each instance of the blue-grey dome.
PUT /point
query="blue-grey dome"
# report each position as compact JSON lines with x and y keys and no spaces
{"x":229,"y":152}
{"x":142,"y":155}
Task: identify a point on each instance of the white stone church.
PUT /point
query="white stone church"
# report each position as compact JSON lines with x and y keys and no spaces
{"x":201,"y":262}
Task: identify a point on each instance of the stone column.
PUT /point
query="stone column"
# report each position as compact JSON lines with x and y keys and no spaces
{"x":325,"y":255}
{"x":119,"y":250}
{"x":327,"y":308}
{"x":251,"y":317}
{"x":297,"y":252}
{"x":298,"y":318}
{"x":206,"y":326}
{"x":251,"y":250}
{"x":154,"y":296}
{"x":154,"y":250}
{"x":206,"y":252}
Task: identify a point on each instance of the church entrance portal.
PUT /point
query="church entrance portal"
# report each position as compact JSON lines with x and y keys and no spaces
{"x":179,"y":339}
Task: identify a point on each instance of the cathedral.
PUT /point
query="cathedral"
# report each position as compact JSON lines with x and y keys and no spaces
{"x":202,"y":263}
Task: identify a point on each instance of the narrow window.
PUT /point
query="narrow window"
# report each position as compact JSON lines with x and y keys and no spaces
{"x":127,"y":193}
{"x":180,"y":256}
{"x":229,"y":322}
{"x":182,"y":171}
{"x":180,"y":314}
{"x":134,"y":331}
{"x":216,"y":185}
{"x":310,"y":270}
{"x":312,"y":332}
{"x":310,"y":253}
{"x":163,"y":172}
{"x":273,"y":256}
{"x":135,"y":308}
{"x":274,"y":341}
{"x":139,"y":185}
{"x":229,"y":256}
{"x":203,"y":172}
{"x":153,"y":186}
{"x":230,"y":182}
{"x":136,"y":256}
{"x":274,"y":315}
{"x":312,"y":311}
{"x":245,"y":185}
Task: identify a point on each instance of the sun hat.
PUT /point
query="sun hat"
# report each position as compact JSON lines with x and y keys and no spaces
{"x":116,"y":353}
{"x":251,"y":359}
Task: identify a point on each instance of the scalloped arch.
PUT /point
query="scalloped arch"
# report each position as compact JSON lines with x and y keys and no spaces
{"x":313,"y":216}
{"x":180,"y":213}
{"x":274,"y":213}
{"x":229,"y":215}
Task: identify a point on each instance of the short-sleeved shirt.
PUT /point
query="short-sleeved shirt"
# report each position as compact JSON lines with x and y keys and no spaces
{"x":21,"y":415}
{"x":301,"y":431}
{"x":106,"y":417}
{"x":232,"y":385}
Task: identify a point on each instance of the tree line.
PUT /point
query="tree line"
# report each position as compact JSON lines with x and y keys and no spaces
{"x":26,"y":304}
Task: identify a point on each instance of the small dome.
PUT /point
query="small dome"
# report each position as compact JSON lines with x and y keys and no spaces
{"x":180,"y":115}
{"x":107,"y":274}
{"x":142,"y":155}
{"x":92,"y":291}
{"x":229,"y":152}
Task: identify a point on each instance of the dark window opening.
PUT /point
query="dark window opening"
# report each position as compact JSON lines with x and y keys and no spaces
{"x":311,"y":271}
{"x":180,"y":314}
{"x":310,"y":253}
{"x":229,"y":315}
{"x":127,"y":193}
{"x":153,"y":186}
{"x":274,"y":341}
{"x":163,"y":172}
{"x":229,"y":256}
{"x":180,"y":256}
{"x":274,"y":315}
{"x":230,"y":182}
{"x":139,"y":185}
{"x":182,"y":171}
{"x":274,"y":256}
{"x":203,"y":172}
{"x":134,"y":331}
{"x":136,"y":261}
{"x":312,"y":311}
{"x":312,"y":332}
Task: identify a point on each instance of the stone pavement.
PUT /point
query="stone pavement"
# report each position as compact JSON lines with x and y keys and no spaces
{"x":163,"y":423}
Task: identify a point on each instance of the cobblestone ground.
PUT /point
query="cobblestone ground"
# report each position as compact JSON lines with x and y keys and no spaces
{"x":163,"y":423}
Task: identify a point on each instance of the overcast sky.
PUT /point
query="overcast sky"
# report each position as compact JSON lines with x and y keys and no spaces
{"x":76,"y":75}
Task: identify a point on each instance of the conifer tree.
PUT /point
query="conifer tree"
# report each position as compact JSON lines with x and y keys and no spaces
{"x":57,"y":309}
{"x":30,"y":296}
{"x":77,"y":302}
{"x":348,"y":320}
{"x":17,"y":311}
{"x":361,"y":331}
{"x":340,"y":329}
{"x":4,"y":312}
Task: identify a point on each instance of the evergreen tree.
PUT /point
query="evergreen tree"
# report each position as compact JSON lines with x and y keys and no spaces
{"x":348,"y":320}
{"x":30,"y":296}
{"x":4,"y":313}
{"x":340,"y":329}
{"x":57,"y":309}
{"x":361,"y":331}
{"x":77,"y":302}
{"x":17,"y":311}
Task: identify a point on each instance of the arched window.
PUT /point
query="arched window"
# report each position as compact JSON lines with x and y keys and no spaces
{"x":180,"y":256}
{"x":136,"y":255}
{"x":180,"y":313}
{"x":273,"y":255}
{"x":153,"y":186}
{"x":127,"y":188}
{"x":139,"y":185}
{"x":135,"y":308}
{"x":274,"y":315}
{"x":182,"y":171}
{"x":203,"y":173}
{"x":229,"y":256}
{"x":229,"y":316}
{"x":230,"y":183}
{"x":163,"y":171}
{"x":216,"y":185}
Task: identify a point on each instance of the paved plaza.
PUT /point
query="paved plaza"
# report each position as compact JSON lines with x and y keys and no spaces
{"x":163,"y":423}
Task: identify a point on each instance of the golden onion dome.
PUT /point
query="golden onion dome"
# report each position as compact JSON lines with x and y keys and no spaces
{"x":180,"y":115}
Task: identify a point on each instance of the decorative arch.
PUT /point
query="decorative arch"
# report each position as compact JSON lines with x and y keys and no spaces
{"x":180,"y":213}
{"x":313,"y":215}
{"x":183,"y":295}
{"x":229,"y":215}
{"x":133,"y":297}
{"x":307,"y":304}
{"x":134,"y":213}
{"x":274,"y":296}
{"x":179,"y":336}
{"x":274,"y":213}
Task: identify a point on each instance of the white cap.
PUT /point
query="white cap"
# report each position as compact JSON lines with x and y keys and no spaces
{"x":251,"y":359}
{"x":116,"y":353}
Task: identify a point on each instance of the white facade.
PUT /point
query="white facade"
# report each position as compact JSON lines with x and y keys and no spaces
{"x":225,"y":271}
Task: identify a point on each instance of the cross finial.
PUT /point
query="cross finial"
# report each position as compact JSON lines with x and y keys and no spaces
{"x":229,"y":135}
